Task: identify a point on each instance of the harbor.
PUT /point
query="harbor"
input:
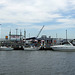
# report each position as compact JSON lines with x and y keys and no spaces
{"x":37,"y":37}
{"x":20,"y":42}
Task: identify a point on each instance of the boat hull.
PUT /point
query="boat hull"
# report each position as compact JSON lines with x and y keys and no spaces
{"x":63,"y":48}
{"x":6,"y":48}
{"x":31,"y":48}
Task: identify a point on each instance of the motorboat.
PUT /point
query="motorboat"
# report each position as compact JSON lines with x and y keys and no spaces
{"x":67,"y":46}
{"x":33,"y":48}
{"x":5,"y":48}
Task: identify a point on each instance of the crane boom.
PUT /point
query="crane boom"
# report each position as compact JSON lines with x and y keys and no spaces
{"x":40,"y":31}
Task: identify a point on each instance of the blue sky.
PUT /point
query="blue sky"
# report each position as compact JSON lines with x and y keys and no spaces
{"x":31,"y":15}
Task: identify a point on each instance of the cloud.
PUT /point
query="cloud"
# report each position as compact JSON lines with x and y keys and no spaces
{"x":30,"y":11}
{"x":54,"y":27}
{"x":32,"y":14}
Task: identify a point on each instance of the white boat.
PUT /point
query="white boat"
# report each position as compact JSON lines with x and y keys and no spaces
{"x":64,"y":47}
{"x":31,"y":48}
{"x":5,"y":48}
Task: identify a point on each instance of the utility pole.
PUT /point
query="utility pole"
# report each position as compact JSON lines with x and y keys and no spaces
{"x":0,"y":36}
{"x":56,"y":35}
{"x":20,"y":35}
{"x":29,"y":35}
{"x":24,"y":34}
{"x":66,"y":35}
{"x":0,"y":25}
{"x":10,"y":35}
{"x":16,"y":34}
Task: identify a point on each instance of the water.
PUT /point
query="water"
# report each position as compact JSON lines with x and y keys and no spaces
{"x":37,"y":63}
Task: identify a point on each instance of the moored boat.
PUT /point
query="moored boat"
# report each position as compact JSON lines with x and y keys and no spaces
{"x":6,"y":48}
{"x":31,"y":48}
{"x":64,"y":47}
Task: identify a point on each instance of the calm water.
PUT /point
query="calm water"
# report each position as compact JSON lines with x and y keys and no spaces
{"x":37,"y":63}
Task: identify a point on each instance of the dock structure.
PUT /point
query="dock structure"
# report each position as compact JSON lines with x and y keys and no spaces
{"x":17,"y":41}
{"x":44,"y":41}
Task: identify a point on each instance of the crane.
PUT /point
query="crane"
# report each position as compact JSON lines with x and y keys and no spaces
{"x":37,"y":35}
{"x":40,"y":31}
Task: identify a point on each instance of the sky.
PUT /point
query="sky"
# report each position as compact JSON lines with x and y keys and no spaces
{"x":57,"y":16}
